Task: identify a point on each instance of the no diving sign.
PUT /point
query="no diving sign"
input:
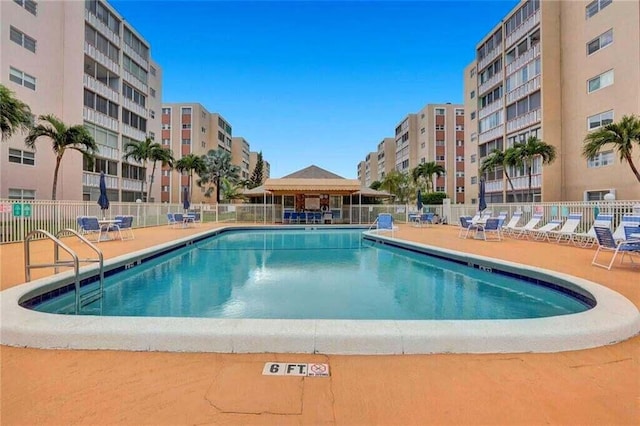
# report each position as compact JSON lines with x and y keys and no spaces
{"x":295,"y":369}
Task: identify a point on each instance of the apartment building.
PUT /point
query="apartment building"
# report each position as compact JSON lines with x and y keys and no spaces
{"x":240,"y":156}
{"x":188,"y":128}
{"x":554,"y":70}
{"x":266,"y":167}
{"x":361,"y":172}
{"x":386,"y":157}
{"x":370,"y":168}
{"x":434,"y":134}
{"x":82,"y":62}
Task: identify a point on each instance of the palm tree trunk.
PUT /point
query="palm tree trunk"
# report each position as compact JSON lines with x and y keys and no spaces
{"x":153,"y":172}
{"x":55,"y":178}
{"x":633,"y":166}
{"x":529,"y":171}
{"x":217,"y":181}
{"x":515,"y":195}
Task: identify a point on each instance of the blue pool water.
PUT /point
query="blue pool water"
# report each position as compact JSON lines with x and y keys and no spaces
{"x":314,"y":274}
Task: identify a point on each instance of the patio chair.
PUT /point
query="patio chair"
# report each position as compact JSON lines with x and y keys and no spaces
{"x":627,"y":220}
{"x":286,"y":216}
{"x":92,"y":227}
{"x":512,"y":224}
{"x":295,"y":218}
{"x":588,"y":239}
{"x":302,"y":217}
{"x":568,"y":230}
{"x":384,"y":223}
{"x":502,"y":217}
{"x":489,"y":229}
{"x":606,"y":242}
{"x":523,"y":231}
{"x":466,"y":226}
{"x":427,"y":218}
{"x":632,"y":233}
{"x":317,"y":217}
{"x":542,"y":233}
{"x":171,"y":220}
{"x":126,"y":228}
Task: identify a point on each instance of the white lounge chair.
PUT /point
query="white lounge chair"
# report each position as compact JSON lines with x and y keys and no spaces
{"x":627,"y":220}
{"x":588,"y":239}
{"x":523,"y":231}
{"x":542,"y":233}
{"x":568,"y":229}
{"x":512,"y":224}
{"x":606,"y":242}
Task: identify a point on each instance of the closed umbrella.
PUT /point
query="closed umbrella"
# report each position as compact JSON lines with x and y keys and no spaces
{"x":482,"y":202}
{"x":185,"y":199}
{"x":419,"y":201}
{"x":103,"y":200}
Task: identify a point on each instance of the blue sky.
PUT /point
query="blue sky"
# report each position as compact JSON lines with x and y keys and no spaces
{"x":313,"y":82}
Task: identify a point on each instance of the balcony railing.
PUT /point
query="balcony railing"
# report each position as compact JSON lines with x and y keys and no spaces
{"x":108,"y":152}
{"x":523,"y":59}
{"x":524,"y":28}
{"x":101,"y":27}
{"x":101,"y":58}
{"x":491,"y":108}
{"x":93,"y":180}
{"x":100,"y":119}
{"x":101,"y":89}
{"x":134,"y":81}
{"x":522,"y":182}
{"x":131,"y":185}
{"x":494,"y":185}
{"x":490,"y":57}
{"x":524,"y":121}
{"x":491,"y":134}
{"x":132,"y":106}
{"x":135,"y":56}
{"x":524,"y":89}
{"x":497,"y":78}
{"x":133,"y":133}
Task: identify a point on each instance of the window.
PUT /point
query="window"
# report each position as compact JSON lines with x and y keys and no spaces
{"x":422,"y":130}
{"x":186,"y":126}
{"x":152,"y":92}
{"x":459,"y":143}
{"x":152,"y":70}
{"x":22,"y":194}
{"x":460,"y":159}
{"x":596,"y":6}
{"x":439,"y":157}
{"x":186,"y":141}
{"x":134,"y":120}
{"x":596,"y":195}
{"x":459,"y":112}
{"x":29,"y":5}
{"x":166,"y":127}
{"x":439,"y":143}
{"x":602,"y":159}
{"x":474,"y":179}
{"x":204,"y":130}
{"x":473,"y":158}
{"x":186,"y":111}
{"x":439,"y":126}
{"x":459,"y":189}
{"x":134,"y":69}
{"x":22,"y":78}
{"x":165,"y":188}
{"x":600,"y":120}
{"x":439,"y":111}
{"x":22,"y":157}
{"x":473,"y":115}
{"x":166,"y":110}
{"x":136,"y":44}
{"x":102,"y":165}
{"x":152,"y":113}
{"x":100,"y":104}
{"x":439,"y":188}
{"x":472,"y":73}
{"x":603,"y":80}
{"x":600,"y":42}
{"x":166,"y":141}
{"x":22,"y":39}
{"x":473,"y":94}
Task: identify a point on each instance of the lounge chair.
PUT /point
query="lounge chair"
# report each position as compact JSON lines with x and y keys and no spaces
{"x":523,"y":231}
{"x":588,"y":239}
{"x":627,"y":220}
{"x":542,"y":233}
{"x":606,"y":242}
{"x":126,"y":228}
{"x":489,"y":228}
{"x":171,"y":220}
{"x":286,"y":217}
{"x":466,"y":226}
{"x":513,"y":223}
{"x":502,"y":217}
{"x":302,"y":217}
{"x":568,"y":230}
{"x":384,"y":223}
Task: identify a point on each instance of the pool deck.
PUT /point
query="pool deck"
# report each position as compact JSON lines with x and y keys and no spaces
{"x":595,"y":386}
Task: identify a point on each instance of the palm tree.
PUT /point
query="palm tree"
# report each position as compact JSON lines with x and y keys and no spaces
{"x":427,"y":171}
{"x":76,"y":138}
{"x":218,"y":167}
{"x":524,"y":154}
{"x":189,"y":164}
{"x":141,"y":152}
{"x":231,"y":190}
{"x":497,"y":158}
{"x":398,"y":184}
{"x":165,"y":156}
{"x":15,"y":115}
{"x":623,"y":135}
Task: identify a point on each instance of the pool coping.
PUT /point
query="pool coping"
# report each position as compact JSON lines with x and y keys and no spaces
{"x":613,"y":319}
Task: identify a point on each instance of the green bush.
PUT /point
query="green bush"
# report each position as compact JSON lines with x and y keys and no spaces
{"x":431,"y":198}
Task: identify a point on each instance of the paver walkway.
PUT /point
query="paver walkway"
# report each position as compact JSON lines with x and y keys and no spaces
{"x":597,"y":386}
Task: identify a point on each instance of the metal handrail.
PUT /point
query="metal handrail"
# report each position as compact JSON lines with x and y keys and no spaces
{"x":75,"y":262}
{"x":92,"y":246}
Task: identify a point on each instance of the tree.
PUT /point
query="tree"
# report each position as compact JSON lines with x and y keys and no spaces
{"x":231,"y":190}
{"x":623,"y":135}
{"x":143,"y":152}
{"x":399,"y":185}
{"x":76,"y":138}
{"x":15,"y":115}
{"x":496,"y":159}
{"x":258,"y":172}
{"x":427,"y":171}
{"x":165,"y":156}
{"x":191,"y":164}
{"x":375,"y":185}
{"x":218,"y":166}
{"x":524,"y":154}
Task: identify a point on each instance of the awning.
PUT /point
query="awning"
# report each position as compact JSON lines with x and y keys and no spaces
{"x":345,"y":186}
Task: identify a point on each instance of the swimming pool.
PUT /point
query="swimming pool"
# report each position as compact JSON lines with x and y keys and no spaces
{"x":612,"y":319}
{"x":315,"y":274}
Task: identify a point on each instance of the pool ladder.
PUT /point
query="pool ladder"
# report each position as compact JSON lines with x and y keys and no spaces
{"x":80,"y":300}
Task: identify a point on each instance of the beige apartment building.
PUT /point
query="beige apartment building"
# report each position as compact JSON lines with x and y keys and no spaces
{"x":82,"y":62}
{"x":240,"y":156}
{"x":188,"y":128}
{"x":434,"y":134}
{"x":554,"y":70}
{"x":266,"y":167}
{"x":386,"y":157}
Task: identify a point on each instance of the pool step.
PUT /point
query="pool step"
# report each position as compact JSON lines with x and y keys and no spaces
{"x":90,"y":297}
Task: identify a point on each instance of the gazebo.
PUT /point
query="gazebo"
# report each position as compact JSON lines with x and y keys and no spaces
{"x":313,"y":189}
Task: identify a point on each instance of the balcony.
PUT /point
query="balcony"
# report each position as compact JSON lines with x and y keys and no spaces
{"x":524,"y":120}
{"x":490,"y":57}
{"x":135,"y":82}
{"x":93,"y":180}
{"x":523,"y":90}
{"x":131,"y":185}
{"x":489,"y":84}
{"x":490,"y":135}
{"x":135,"y":56}
{"x":523,"y":29}
{"x":100,"y":119}
{"x":103,"y":59}
{"x":134,"y":107}
{"x":133,"y":133}
{"x":491,"y":108}
{"x":108,"y":152}
{"x":101,"y":27}
{"x":523,"y":59}
{"x":522,"y":182}
{"x":494,"y":186}
{"x":101,"y":89}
